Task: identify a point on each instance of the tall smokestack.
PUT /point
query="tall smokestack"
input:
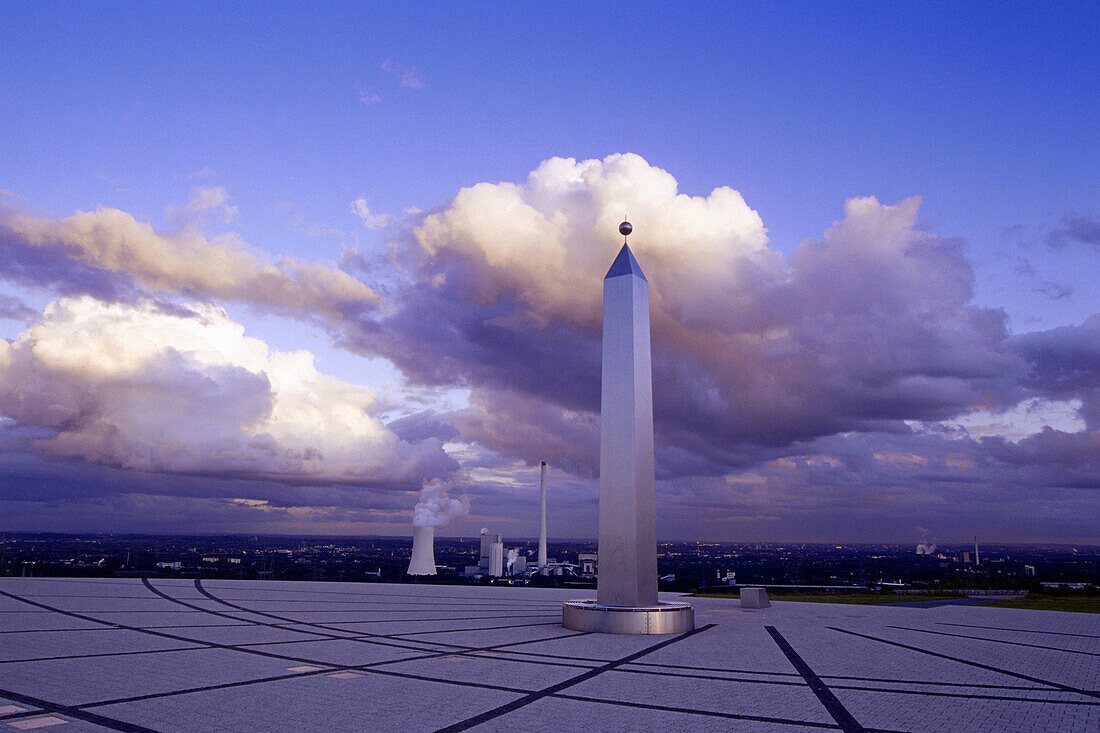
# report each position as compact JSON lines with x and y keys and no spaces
{"x":423,"y":554}
{"x":976,"y":560}
{"x":542,"y":520}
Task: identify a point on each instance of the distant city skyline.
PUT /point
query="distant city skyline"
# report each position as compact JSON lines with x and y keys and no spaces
{"x":298,"y":271}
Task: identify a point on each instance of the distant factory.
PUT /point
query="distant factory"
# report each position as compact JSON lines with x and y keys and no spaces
{"x":497,"y":561}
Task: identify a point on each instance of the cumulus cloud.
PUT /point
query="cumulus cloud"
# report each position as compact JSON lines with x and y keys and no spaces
{"x":877,"y":485}
{"x":1064,"y":363}
{"x":108,"y":253}
{"x":204,"y":200}
{"x":548,"y":241}
{"x":370,"y":220}
{"x":184,"y":390}
{"x":15,"y":309}
{"x":850,"y":377}
{"x":531,"y":429}
{"x":861,"y":330}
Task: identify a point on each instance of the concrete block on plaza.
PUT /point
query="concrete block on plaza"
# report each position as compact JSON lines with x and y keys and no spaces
{"x":755,"y":598}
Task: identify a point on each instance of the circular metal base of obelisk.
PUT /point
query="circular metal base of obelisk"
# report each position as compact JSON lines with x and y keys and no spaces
{"x":664,"y":618}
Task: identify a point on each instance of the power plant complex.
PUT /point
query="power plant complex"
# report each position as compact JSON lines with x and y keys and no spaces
{"x":494,"y":560}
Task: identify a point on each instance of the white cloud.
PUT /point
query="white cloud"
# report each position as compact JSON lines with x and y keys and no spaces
{"x":371,"y":220}
{"x":139,"y":387}
{"x":204,"y":200}
{"x":183,"y":262}
{"x":1029,"y":417}
{"x":550,"y":240}
{"x":866,"y":327}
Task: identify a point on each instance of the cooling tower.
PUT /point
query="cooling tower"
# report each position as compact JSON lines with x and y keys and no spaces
{"x":423,"y":555}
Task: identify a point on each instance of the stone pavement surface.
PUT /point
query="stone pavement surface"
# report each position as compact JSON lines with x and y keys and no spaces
{"x":222,"y":655}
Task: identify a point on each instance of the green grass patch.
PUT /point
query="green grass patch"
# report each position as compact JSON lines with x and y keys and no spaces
{"x":863,"y":599}
{"x":1077,"y":604}
{"x":1034,"y":601}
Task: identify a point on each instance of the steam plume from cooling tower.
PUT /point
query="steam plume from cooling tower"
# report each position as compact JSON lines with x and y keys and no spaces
{"x":436,"y":508}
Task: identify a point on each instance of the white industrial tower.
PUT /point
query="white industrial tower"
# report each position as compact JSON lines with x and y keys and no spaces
{"x":542,"y":519}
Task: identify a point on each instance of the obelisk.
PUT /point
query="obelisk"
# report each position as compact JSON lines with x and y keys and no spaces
{"x":626,"y":589}
{"x":628,"y":540}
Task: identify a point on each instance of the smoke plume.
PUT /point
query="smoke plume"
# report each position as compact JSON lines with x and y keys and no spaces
{"x":513,"y":555}
{"x":436,"y":508}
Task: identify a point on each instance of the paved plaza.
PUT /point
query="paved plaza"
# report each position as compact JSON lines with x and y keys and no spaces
{"x":221,"y":655}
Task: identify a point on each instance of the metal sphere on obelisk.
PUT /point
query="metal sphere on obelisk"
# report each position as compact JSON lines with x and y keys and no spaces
{"x":626,"y":587}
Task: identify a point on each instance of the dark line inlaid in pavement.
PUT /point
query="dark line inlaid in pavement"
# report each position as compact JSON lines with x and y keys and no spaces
{"x":931,"y":683}
{"x":326,"y":627}
{"x":323,"y":624}
{"x":960,"y":660}
{"x":361,"y":637}
{"x":839,"y":713}
{"x":418,"y":596}
{"x":77,"y":713}
{"x":459,"y":648}
{"x":865,"y":688}
{"x":696,"y":711}
{"x":101,"y":654}
{"x":972,"y":696}
{"x":565,"y":684}
{"x":479,"y":628}
{"x":101,"y":628}
{"x":326,"y":667}
{"x":693,"y":668}
{"x":1018,"y":631}
{"x":996,"y":641}
{"x":160,"y":634}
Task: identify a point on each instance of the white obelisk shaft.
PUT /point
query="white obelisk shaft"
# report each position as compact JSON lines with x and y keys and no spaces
{"x":627,"y":541}
{"x":542,"y":519}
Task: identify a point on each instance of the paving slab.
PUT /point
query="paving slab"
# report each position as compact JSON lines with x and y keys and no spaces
{"x":230,"y":655}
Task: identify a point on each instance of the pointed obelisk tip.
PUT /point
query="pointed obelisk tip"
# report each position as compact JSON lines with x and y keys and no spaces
{"x":625,"y":264}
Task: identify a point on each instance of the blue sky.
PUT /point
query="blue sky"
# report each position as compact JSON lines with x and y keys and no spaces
{"x":273,"y":120}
